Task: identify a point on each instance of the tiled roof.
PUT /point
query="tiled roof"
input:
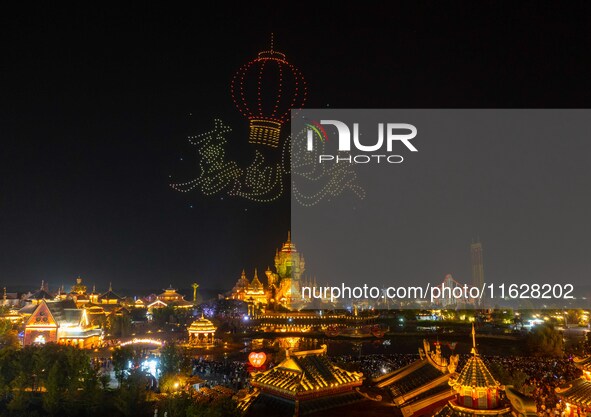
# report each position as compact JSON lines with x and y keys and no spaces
{"x":306,"y":371}
{"x":583,"y":363}
{"x":110,"y":295}
{"x":419,"y":377}
{"x":452,"y":410}
{"x":271,"y":406}
{"x":41,"y":295}
{"x":475,"y":374}
{"x":578,"y":392}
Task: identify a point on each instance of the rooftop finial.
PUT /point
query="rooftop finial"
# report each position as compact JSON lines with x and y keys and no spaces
{"x":271,"y":41}
{"x":110,"y":287}
{"x":289,"y":236}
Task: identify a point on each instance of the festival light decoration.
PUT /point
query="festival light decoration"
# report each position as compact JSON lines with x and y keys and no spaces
{"x":257,"y":359}
{"x":265,"y":90}
{"x":260,"y":181}
{"x":313,"y":182}
{"x":136,"y":341}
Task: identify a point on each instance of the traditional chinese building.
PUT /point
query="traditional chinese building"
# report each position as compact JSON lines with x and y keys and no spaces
{"x":41,"y":294}
{"x":252,"y":292}
{"x":418,"y":388}
{"x":60,"y":322}
{"x":201,"y":332}
{"x":576,"y":395}
{"x":78,"y":293}
{"x":305,"y":382}
{"x":431,"y":386}
{"x":10,"y":299}
{"x":282,"y":287}
{"x":170,"y":298}
{"x":479,"y":394}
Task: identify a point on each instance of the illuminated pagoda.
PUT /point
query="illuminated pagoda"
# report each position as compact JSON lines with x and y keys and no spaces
{"x":418,"y":388}
{"x":290,"y":265}
{"x":252,"y":292}
{"x":170,"y":298}
{"x":60,"y":322}
{"x":201,"y":332}
{"x":282,"y":287}
{"x":78,"y":293}
{"x":577,"y":393}
{"x":303,"y":383}
{"x":477,"y":393}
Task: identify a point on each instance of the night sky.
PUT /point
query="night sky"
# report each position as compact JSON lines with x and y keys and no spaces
{"x":97,"y":104}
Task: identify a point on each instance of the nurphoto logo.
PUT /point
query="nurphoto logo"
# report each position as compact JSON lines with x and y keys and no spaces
{"x":387,"y":133}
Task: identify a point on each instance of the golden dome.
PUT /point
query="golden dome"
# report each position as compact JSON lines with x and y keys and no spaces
{"x":202,"y":325}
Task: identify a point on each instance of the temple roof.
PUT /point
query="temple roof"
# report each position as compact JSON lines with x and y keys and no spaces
{"x":65,"y":312}
{"x":41,"y":294}
{"x":453,"y":410}
{"x":305,"y":371}
{"x":242,"y":283}
{"x":256,"y":283}
{"x":583,"y":363}
{"x":110,"y":295}
{"x":288,"y":246}
{"x":421,"y":376}
{"x":270,"y":406}
{"x":202,"y":325}
{"x":577,"y":392}
{"x":476,"y":374}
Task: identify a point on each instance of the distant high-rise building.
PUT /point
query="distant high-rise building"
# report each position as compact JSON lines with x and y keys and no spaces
{"x":477,"y":264}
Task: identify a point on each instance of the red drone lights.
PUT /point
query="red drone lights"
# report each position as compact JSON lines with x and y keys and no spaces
{"x":265,"y":90}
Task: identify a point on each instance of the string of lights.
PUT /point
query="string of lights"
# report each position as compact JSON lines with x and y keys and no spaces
{"x":252,"y":88}
{"x":267,"y":106}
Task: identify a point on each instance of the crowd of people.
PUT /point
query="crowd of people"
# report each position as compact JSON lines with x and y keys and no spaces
{"x":544,"y":375}
{"x":541,"y":376}
{"x":231,"y":374}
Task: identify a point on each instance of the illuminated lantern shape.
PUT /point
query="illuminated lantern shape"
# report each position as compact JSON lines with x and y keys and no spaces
{"x":265,"y":90}
{"x":257,"y":359}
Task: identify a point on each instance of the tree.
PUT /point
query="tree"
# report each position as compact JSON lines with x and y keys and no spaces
{"x":8,"y":335}
{"x":514,"y":377}
{"x":223,"y":407}
{"x":55,"y":390}
{"x":171,"y":358}
{"x":122,"y":356}
{"x":545,"y":340}
{"x":132,"y":396}
{"x":119,"y":325}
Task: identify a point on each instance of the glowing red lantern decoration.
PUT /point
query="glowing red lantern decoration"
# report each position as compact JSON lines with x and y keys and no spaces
{"x":257,"y":359}
{"x":265,"y":90}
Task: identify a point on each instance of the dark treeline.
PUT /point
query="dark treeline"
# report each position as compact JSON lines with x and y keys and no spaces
{"x":58,"y":380}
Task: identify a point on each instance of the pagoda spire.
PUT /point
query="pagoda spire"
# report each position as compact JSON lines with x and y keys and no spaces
{"x":473,"y":341}
{"x":288,"y":236}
